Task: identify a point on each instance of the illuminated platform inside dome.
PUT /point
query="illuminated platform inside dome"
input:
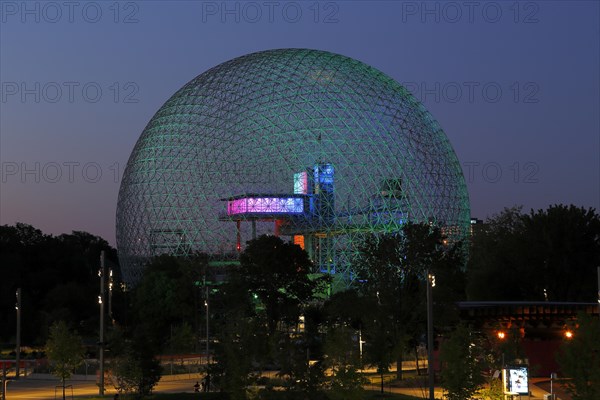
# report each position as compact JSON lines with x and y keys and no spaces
{"x":265,"y":205}
{"x":308,"y":216}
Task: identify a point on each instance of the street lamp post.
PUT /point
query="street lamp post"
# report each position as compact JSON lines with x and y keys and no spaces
{"x":110,"y":290}
{"x":207,"y":327}
{"x":18,"y":349}
{"x":101,"y":335}
{"x":430,"y":372}
{"x":207,"y":340}
{"x":360,"y":346}
{"x":599,"y":292}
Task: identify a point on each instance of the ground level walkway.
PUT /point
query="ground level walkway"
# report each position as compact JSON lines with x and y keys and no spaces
{"x":538,"y":387}
{"x":46,"y":387}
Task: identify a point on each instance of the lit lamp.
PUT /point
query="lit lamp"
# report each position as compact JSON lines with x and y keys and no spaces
{"x":430,"y":372}
{"x":501,"y":335}
{"x":568,"y":334}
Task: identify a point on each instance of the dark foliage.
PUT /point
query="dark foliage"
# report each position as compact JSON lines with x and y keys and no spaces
{"x":58,"y":276}
{"x":392,"y":274}
{"x":580,"y":359}
{"x":544,"y":255}
{"x":278,"y":273}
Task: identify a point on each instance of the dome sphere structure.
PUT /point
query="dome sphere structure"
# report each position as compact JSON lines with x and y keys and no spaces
{"x":313,"y":146}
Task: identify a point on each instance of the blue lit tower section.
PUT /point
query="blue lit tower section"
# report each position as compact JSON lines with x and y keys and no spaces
{"x":324,"y":194}
{"x":324,"y":212}
{"x":313,"y":230}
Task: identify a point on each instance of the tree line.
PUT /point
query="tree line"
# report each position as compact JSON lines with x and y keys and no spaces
{"x":58,"y":276}
{"x":271,"y":312}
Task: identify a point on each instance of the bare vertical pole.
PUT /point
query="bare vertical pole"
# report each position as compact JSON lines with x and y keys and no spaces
{"x":360,"y":343}
{"x":207,"y":327}
{"x":598,"y":271}
{"x":430,"y":371}
{"x":101,"y":336}
{"x":207,"y":340}
{"x":18,"y":349}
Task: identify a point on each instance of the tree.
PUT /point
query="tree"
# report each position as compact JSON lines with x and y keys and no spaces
{"x":164,"y":307}
{"x":164,"y":298}
{"x":461,"y":364}
{"x":563,"y":251}
{"x":65,"y":352}
{"x":135,"y":370}
{"x":57,"y":275}
{"x":544,"y":255}
{"x":181,"y":340}
{"x":392,"y":269}
{"x":494,"y":389}
{"x":346,"y":314}
{"x":341,"y":358}
{"x":256,"y":313}
{"x":579,"y":359}
{"x":240,"y":336}
{"x":278,"y":273}
{"x":393,"y":290}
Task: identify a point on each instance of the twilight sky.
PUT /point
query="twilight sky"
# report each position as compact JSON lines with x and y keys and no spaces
{"x":515,"y":86}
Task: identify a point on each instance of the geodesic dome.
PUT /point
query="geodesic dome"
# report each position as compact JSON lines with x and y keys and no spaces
{"x":305,"y":144}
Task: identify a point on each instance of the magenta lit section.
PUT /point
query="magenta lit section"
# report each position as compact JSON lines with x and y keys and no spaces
{"x":265,"y":205}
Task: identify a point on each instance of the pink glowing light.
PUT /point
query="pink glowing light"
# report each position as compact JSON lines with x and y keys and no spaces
{"x":265,"y":205}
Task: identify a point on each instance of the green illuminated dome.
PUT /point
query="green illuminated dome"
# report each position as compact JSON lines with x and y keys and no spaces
{"x":313,"y":146}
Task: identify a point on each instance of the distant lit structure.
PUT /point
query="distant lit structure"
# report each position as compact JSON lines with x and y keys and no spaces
{"x":313,"y":146}
{"x":540,"y":326}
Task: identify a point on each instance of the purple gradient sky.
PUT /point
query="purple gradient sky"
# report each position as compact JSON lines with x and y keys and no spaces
{"x":541,"y":134}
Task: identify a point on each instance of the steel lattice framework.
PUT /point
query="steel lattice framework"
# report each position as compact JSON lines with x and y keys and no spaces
{"x":249,"y":125}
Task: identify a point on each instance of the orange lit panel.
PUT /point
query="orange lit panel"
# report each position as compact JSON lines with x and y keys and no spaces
{"x":299,"y":240}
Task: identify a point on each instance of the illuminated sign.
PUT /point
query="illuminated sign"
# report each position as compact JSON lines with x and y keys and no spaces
{"x":515,"y":380}
{"x":265,"y":205}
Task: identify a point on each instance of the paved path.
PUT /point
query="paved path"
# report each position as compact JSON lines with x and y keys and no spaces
{"x":34,"y":388}
{"x":557,"y":388}
{"x":45,"y":389}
